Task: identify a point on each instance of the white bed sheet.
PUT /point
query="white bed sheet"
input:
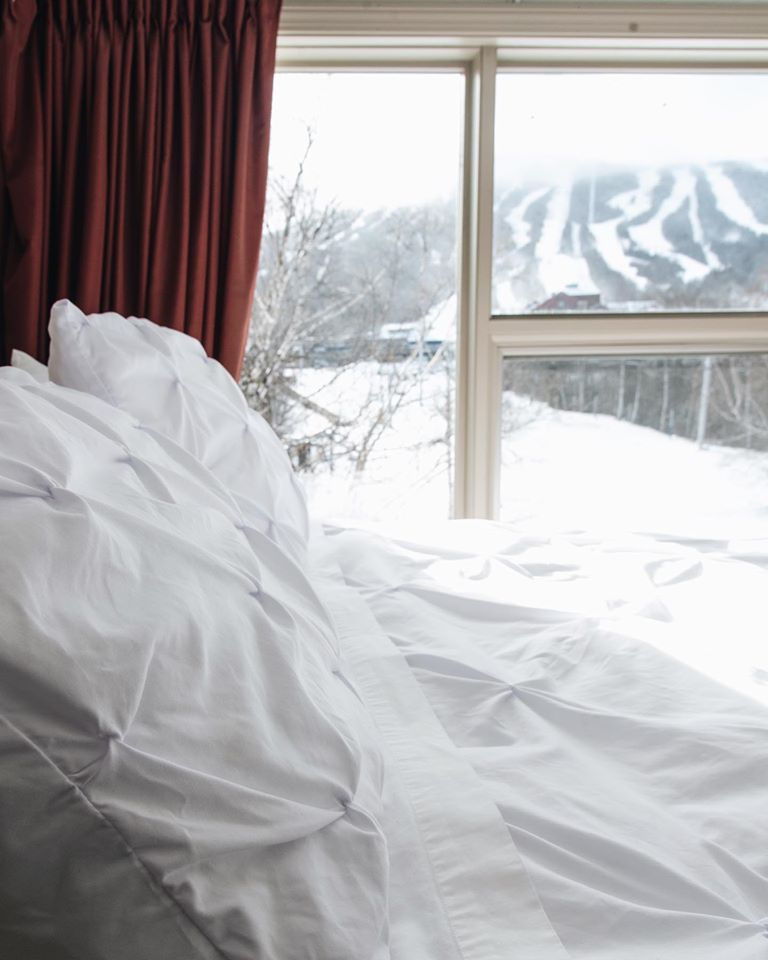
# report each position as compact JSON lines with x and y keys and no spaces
{"x":448,"y":900}
{"x":611,"y":700}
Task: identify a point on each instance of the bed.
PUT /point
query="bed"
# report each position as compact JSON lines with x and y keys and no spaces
{"x":227,"y":731}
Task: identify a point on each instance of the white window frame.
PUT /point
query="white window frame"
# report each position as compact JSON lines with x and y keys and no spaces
{"x":480,"y":39}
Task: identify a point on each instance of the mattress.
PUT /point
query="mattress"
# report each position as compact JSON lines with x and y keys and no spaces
{"x":607,"y":702}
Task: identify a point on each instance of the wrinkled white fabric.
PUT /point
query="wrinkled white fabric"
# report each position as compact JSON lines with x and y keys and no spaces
{"x":458,"y":889}
{"x":164,"y":379}
{"x":613,"y":699}
{"x":38,"y":371}
{"x":185,"y":770}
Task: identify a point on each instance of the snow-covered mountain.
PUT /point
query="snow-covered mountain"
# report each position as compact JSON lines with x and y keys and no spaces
{"x":685,"y":237}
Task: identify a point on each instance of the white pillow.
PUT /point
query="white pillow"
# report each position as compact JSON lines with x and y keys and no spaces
{"x":33,"y":367}
{"x":185,"y":773}
{"x":164,"y":379}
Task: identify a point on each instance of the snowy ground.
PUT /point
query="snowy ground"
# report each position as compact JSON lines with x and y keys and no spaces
{"x":561,"y":471}
{"x":579,"y":471}
{"x":408,"y":472}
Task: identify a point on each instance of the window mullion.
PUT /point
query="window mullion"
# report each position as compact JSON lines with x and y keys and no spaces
{"x":735,"y":331}
{"x":476,"y":440}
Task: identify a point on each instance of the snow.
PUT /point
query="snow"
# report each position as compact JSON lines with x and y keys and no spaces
{"x":564,"y":470}
{"x":649,"y":236}
{"x":550,"y":243}
{"x":730,"y":202}
{"x":561,"y":471}
{"x":624,"y":251}
{"x":505,"y":299}
{"x":713,"y":261}
{"x":609,"y":245}
{"x":409,"y":471}
{"x":583,"y":289}
{"x":394,"y":331}
{"x":638,"y":201}
{"x":562,"y":272}
{"x":440,"y":322}
{"x":521,"y":228}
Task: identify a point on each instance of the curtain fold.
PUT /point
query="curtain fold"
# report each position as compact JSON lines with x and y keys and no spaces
{"x":134,"y":142}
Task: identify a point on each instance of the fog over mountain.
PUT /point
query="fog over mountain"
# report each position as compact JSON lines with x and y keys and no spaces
{"x":679,"y":237}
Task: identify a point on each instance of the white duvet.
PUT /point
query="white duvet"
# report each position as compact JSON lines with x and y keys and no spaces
{"x":204,"y":753}
{"x":184,"y":765}
{"x":477,"y":746}
{"x":612,"y":700}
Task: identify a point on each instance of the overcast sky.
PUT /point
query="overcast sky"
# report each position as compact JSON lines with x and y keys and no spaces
{"x":547,"y":122}
{"x":394,"y":139}
{"x":380,"y":139}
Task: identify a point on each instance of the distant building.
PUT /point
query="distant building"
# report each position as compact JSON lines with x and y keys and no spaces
{"x":396,"y":341}
{"x":573,"y":297}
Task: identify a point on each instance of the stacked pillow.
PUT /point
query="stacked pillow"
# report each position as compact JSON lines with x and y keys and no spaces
{"x":185,"y":770}
{"x":164,"y":379}
{"x":38,"y":371}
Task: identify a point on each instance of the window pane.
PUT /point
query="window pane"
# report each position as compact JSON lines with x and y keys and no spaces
{"x":644,"y":443}
{"x":352,"y":357}
{"x":629,"y":192}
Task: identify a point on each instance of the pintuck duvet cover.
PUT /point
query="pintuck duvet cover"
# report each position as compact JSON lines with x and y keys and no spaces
{"x":225,"y":736}
{"x":206,"y":749}
{"x":609,"y":700}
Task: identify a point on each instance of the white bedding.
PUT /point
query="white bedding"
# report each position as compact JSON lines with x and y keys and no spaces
{"x":185,"y":771}
{"x":204,"y":753}
{"x":458,"y":889}
{"x":611,"y":699}
{"x":477,"y":745}
{"x":164,"y":379}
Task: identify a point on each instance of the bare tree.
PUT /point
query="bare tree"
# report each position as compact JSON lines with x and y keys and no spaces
{"x":298,"y":296}
{"x":330,"y":279}
{"x":740,"y":400}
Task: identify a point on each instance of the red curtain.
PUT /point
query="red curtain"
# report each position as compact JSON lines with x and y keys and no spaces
{"x":133,"y":162}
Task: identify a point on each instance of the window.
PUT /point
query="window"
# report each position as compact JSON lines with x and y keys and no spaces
{"x":612,"y":239}
{"x":630,"y":192}
{"x":648,"y":442}
{"x":354,"y":330}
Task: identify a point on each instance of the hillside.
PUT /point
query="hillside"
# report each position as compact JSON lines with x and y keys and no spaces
{"x":680,"y":237}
